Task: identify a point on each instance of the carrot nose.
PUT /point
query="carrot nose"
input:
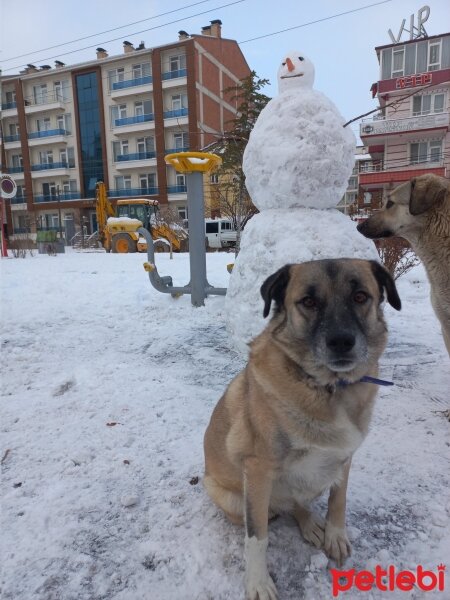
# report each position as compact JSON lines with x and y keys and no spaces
{"x":290,"y":64}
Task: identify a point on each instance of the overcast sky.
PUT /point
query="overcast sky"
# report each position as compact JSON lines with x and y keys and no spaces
{"x":341,"y":48}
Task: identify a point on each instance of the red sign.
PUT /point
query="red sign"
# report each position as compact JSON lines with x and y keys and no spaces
{"x":413,"y":80}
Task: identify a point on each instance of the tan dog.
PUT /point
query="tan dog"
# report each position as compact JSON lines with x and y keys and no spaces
{"x":419,"y":211}
{"x":287,"y":426}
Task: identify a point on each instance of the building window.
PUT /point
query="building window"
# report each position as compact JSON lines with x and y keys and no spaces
{"x":428,"y":103}
{"x":177,"y":63}
{"x":67,"y":156}
{"x":46,"y":157}
{"x":181,"y":140}
{"x":61,"y":90}
{"x":10,"y":97}
{"x":40,"y":94}
{"x":142,"y":108}
{"x":118,"y":112}
{"x":140,"y":71}
{"x":182,"y":213}
{"x":180,"y":179}
{"x":64,"y":122}
{"x":115,"y":75}
{"x":352,"y":183}
{"x":423,"y":152}
{"x":398,"y":62}
{"x":91,"y":152}
{"x":14,"y":129}
{"x":17,"y":161}
{"x":146,"y":144}
{"x":434,"y":56}
{"x":69,"y":186}
{"x":214,"y":178}
{"x":147,"y":181}
{"x":179,"y":101}
{"x":123,"y":182}
{"x":43,"y":124}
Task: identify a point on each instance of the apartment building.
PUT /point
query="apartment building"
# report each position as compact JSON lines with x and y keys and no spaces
{"x":410,"y":135}
{"x":113,"y":119}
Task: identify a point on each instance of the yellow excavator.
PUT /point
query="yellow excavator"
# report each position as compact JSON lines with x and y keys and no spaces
{"x":118,"y":228}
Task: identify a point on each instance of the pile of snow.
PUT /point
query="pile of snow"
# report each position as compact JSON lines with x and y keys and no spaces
{"x":107,"y":389}
{"x":124,"y":220}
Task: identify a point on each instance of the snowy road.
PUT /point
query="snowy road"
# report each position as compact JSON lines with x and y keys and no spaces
{"x":107,"y":387}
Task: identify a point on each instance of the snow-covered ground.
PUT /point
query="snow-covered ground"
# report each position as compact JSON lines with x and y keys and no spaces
{"x":107,"y":388}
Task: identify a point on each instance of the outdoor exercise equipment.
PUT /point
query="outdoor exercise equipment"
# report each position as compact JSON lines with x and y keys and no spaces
{"x":193,"y":165}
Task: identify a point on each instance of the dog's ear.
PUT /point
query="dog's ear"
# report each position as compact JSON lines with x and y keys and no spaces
{"x":386,"y":282}
{"x":426,"y":191}
{"x":274,"y":288}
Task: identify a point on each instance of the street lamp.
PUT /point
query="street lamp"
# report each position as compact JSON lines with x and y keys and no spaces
{"x":58,"y":198}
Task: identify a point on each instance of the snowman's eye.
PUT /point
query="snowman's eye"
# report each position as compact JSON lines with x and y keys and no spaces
{"x":301,"y":58}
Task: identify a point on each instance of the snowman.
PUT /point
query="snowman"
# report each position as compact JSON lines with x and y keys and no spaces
{"x":297,"y":164}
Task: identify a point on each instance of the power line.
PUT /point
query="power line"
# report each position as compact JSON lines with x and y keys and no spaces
{"x":106,"y":31}
{"x":130,"y":34}
{"x":314,"y":22}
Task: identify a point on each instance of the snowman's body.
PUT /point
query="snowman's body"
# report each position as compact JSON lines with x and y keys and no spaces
{"x":297,"y":164}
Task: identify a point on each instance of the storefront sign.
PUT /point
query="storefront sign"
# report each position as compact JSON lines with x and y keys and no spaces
{"x":413,"y":80}
{"x":403,"y":125}
{"x":414,"y":32}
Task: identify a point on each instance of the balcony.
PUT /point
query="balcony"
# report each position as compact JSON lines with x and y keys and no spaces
{"x":131,"y":86}
{"x":133,"y":124}
{"x":131,"y":192}
{"x":12,"y":170}
{"x":18,"y":200}
{"x":57,"y":168}
{"x":177,"y":189}
{"x":138,"y":159}
{"x":376,"y":131}
{"x":168,"y":75}
{"x":54,"y":198}
{"x":45,"y":102}
{"x":174,"y":114}
{"x":379,"y":175}
{"x":175,"y":150}
{"x":49,"y":136}
{"x":12,"y":142}
{"x":9,"y":109}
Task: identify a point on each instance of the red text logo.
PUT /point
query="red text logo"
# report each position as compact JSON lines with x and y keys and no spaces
{"x":388,"y":580}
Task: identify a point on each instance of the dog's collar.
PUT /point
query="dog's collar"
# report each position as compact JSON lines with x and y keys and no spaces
{"x":331,"y":388}
{"x":366,"y":379}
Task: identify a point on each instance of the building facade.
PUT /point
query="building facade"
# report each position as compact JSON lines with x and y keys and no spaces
{"x":113,"y":119}
{"x":410,"y":135}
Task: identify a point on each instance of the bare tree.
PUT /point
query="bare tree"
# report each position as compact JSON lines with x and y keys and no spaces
{"x":396,"y":255}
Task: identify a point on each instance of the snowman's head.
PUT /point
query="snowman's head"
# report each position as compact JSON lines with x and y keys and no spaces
{"x":296,"y":71}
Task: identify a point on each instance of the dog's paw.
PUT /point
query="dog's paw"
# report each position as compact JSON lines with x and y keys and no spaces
{"x":259,"y":584}
{"x":336,"y":545}
{"x":313,"y":530}
{"x":262,"y":588}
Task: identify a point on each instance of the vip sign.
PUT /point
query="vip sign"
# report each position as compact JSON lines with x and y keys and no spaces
{"x":414,"y":32}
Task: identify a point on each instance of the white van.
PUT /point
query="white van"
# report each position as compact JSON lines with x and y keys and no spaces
{"x":220,"y":233}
